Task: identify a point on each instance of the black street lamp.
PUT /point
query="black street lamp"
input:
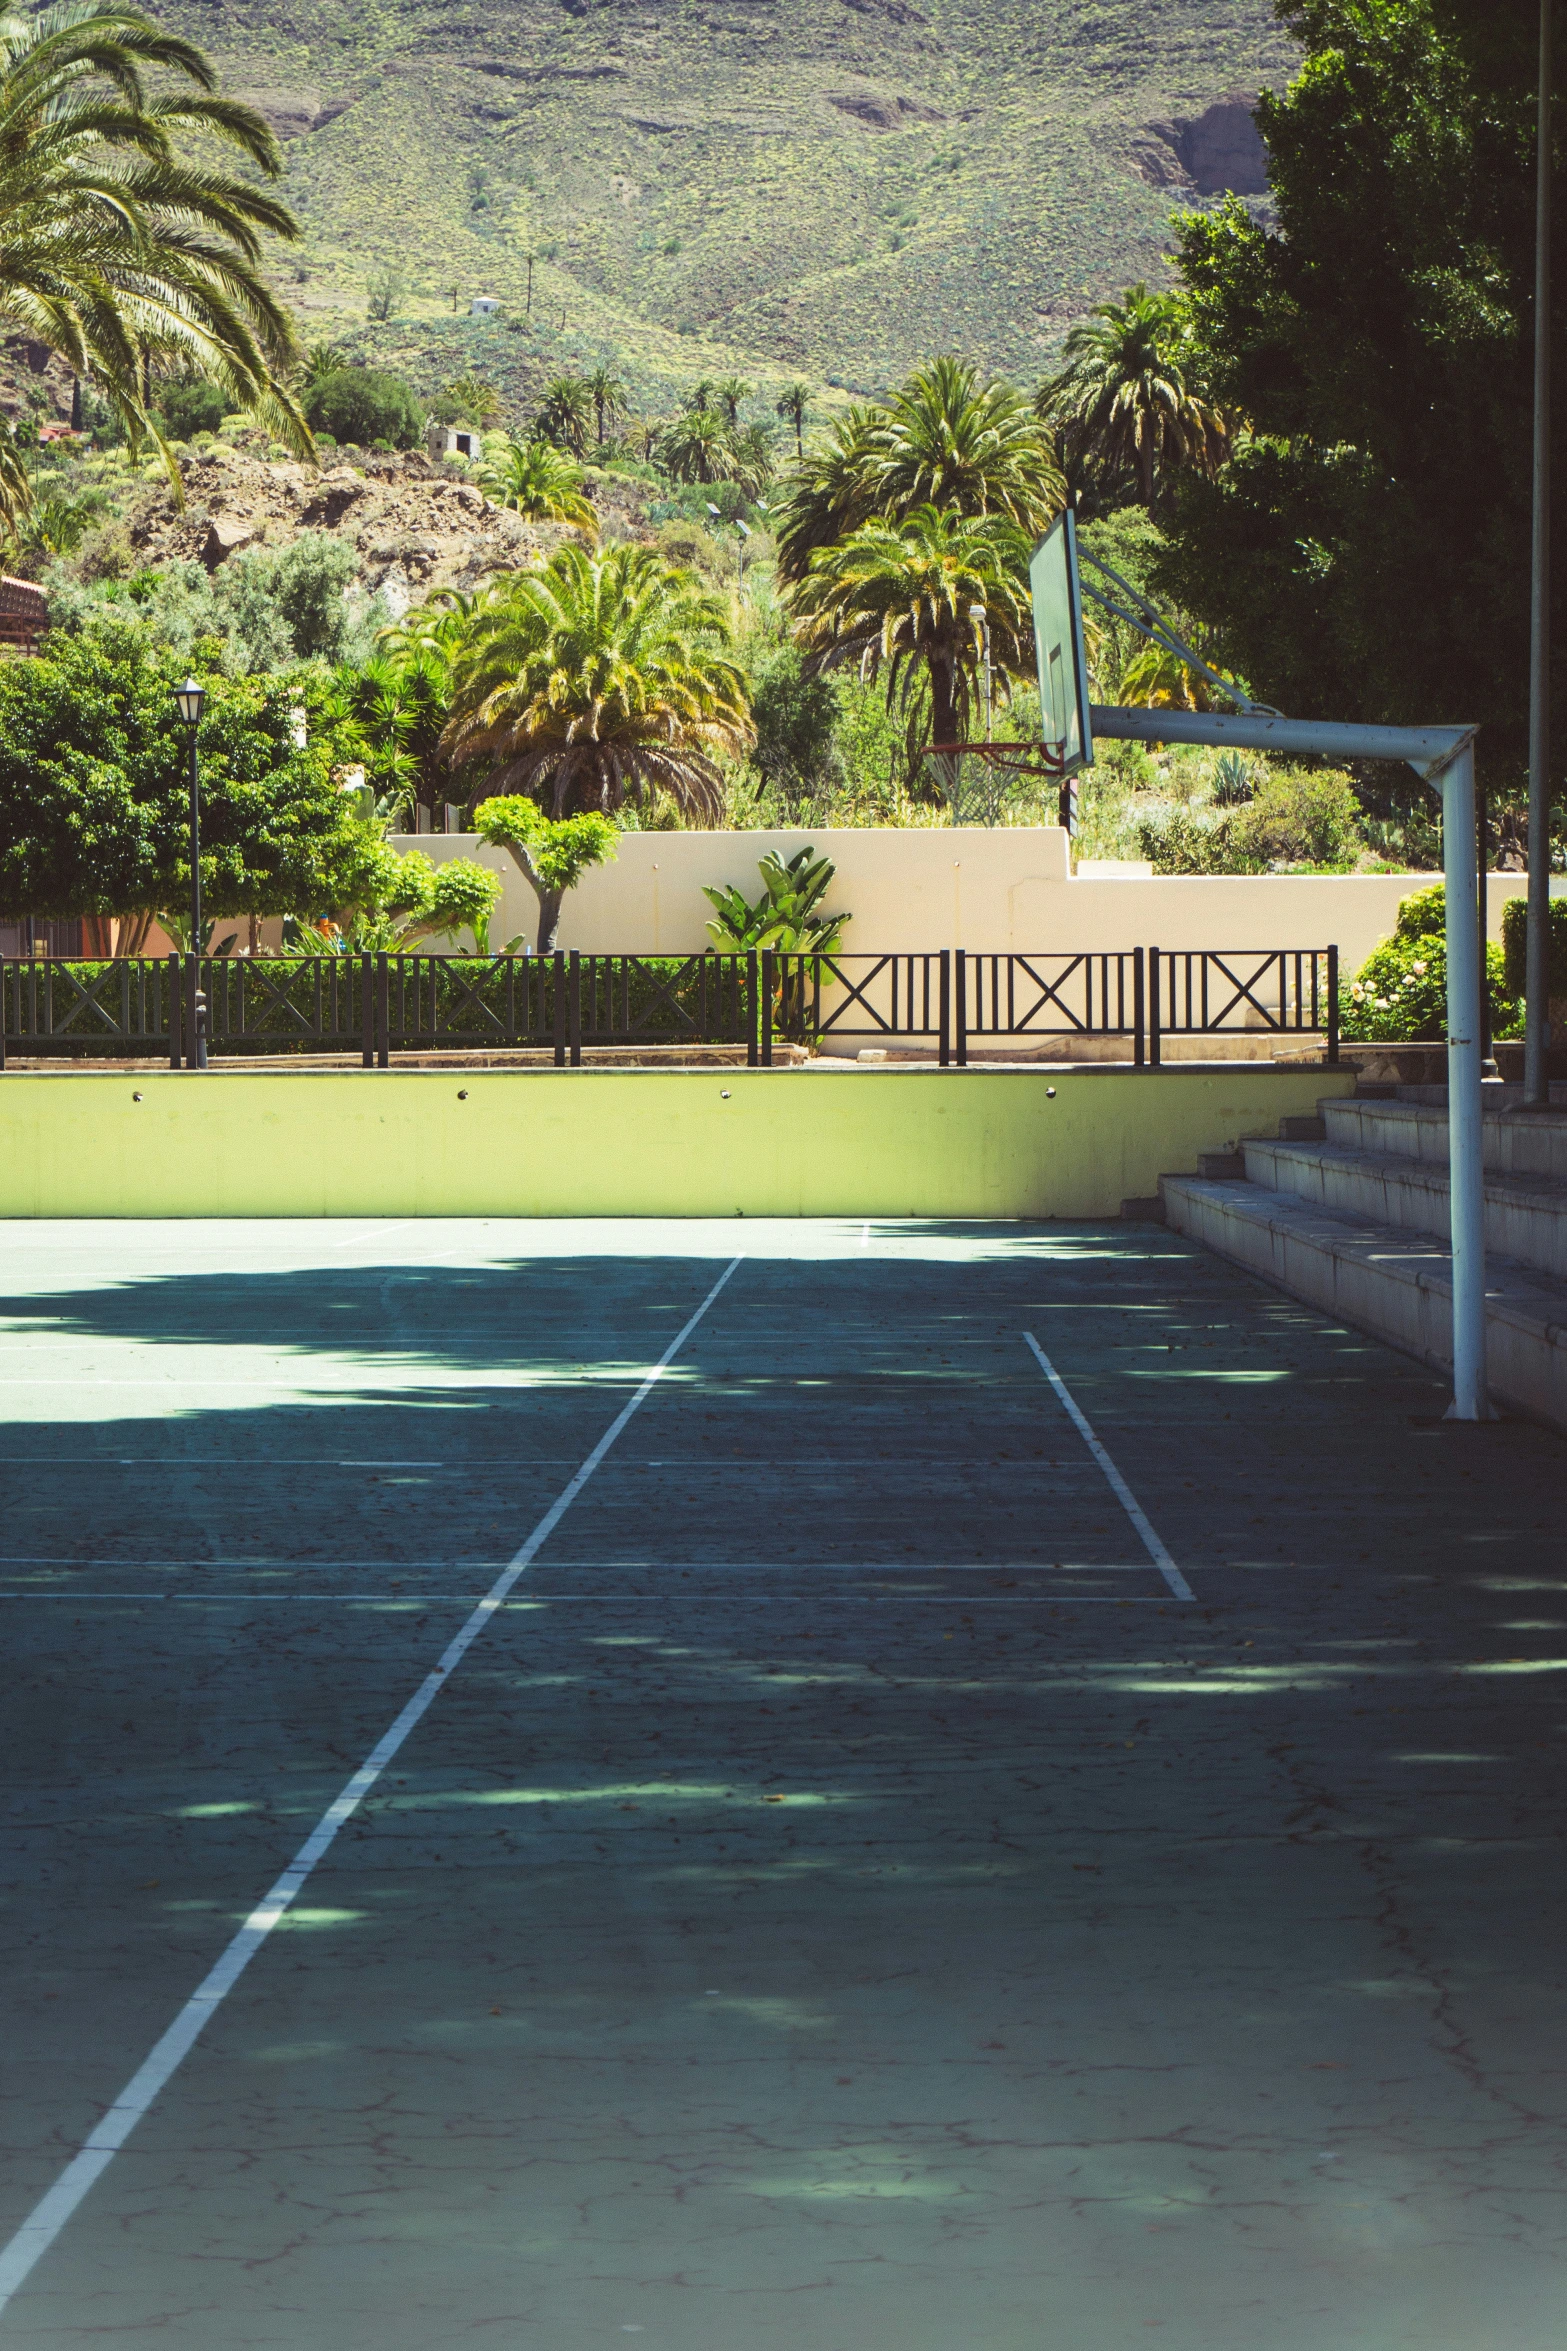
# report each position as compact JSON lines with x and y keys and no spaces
{"x":190,"y":698}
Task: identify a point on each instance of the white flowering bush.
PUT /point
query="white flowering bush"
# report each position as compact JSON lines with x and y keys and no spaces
{"x":1400,"y":992}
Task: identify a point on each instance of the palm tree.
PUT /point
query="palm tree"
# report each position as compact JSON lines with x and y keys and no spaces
{"x":696,"y":447}
{"x":751,"y":457}
{"x":793,"y":403}
{"x":729,"y":391}
{"x":479,"y":400}
{"x":599,"y":676}
{"x":948,"y":438}
{"x":537,"y":479}
{"x":902,"y":596}
{"x":114,"y":251}
{"x":608,"y":395}
{"x":1121,"y":398}
{"x":320,"y":361}
{"x":564,"y":412}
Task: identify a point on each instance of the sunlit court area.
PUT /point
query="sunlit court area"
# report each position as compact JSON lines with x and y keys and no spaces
{"x":808,"y":1785}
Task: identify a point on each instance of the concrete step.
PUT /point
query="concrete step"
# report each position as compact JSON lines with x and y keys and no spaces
{"x":1216,"y":1166}
{"x":1515,"y":1142}
{"x":1393,"y":1283}
{"x":1525,"y":1216}
{"x":1303,"y":1130}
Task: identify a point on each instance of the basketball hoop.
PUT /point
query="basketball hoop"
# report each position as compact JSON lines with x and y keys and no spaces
{"x":1005,"y":761}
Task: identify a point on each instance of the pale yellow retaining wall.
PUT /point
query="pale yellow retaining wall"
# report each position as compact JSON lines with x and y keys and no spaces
{"x":993,"y":891}
{"x":970,"y":1143}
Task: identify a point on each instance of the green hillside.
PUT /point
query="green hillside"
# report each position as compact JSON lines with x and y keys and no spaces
{"x":830,"y":188}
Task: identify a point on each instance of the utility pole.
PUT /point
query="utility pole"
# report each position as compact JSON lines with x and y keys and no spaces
{"x":1537,"y":999}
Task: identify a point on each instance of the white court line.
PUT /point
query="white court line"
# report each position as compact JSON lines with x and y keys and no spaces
{"x":1118,"y":1485}
{"x":49,"y":2216}
{"x":865,"y":1236}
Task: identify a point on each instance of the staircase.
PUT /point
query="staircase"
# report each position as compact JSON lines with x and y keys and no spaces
{"x":1349,"y":1211}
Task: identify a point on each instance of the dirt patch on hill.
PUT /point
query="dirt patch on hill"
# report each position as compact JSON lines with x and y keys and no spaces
{"x":414,"y":526}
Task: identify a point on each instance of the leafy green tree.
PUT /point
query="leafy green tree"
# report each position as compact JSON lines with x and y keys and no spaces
{"x":194,"y":406}
{"x":599,"y":675}
{"x":117,"y":252}
{"x":903,"y":597}
{"x":949,"y":438}
{"x":564,"y":414}
{"x":537,"y":479}
{"x":1124,"y":401}
{"x":1365,"y":553}
{"x":364,"y":405}
{"x":797,"y":715}
{"x":552,"y":853}
{"x":94,"y":786}
{"x":729,"y":391}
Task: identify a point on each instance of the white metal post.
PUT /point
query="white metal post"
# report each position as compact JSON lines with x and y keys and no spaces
{"x":1465,"y":1136}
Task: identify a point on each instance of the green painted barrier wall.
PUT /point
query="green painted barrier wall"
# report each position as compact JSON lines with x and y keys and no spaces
{"x":598,"y":1142}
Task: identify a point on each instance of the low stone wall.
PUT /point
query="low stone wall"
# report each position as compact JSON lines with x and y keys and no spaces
{"x":604,"y":1142}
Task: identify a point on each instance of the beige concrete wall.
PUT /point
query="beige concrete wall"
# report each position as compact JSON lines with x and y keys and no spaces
{"x":933,"y":887}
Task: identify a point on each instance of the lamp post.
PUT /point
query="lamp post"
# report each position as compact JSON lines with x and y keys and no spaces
{"x":190,"y":698}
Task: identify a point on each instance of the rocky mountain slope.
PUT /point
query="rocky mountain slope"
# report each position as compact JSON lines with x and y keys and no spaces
{"x":832,"y":188}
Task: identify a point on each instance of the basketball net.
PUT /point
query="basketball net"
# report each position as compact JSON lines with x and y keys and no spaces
{"x":976,"y":779}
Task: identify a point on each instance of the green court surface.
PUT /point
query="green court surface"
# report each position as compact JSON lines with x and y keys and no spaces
{"x":843,"y":1896}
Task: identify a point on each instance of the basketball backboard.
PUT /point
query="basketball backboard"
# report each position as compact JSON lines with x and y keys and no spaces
{"x":1058,"y":639}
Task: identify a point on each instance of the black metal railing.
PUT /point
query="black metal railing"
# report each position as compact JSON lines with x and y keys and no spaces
{"x":1286,"y":991}
{"x":378,"y":1005}
{"x":1089,"y":995}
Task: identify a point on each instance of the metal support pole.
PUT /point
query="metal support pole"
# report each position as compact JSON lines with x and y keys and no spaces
{"x":1333,"y":1008}
{"x":1483,"y":923}
{"x":1139,"y":1010}
{"x":1537,"y":984}
{"x":752,"y":1008}
{"x":961,"y":961}
{"x":176,"y":1015}
{"x":944,"y":1055}
{"x":1464,"y":1131}
{"x":574,"y":1006}
{"x":383,"y":1010}
{"x":367,"y":1012}
{"x":1153,"y":1008}
{"x":195,"y":850}
{"x":767,"y":1008}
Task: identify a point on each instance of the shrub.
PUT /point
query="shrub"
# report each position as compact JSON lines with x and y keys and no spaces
{"x":365,"y":405}
{"x":188,"y":409}
{"x":1400,"y":991}
{"x":1515,"y":933}
{"x":1302,"y":816}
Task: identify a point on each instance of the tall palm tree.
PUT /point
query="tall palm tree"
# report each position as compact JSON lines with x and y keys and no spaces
{"x":564,"y":412}
{"x":599,"y":676}
{"x":319,"y":362}
{"x":117,"y":252}
{"x":949,"y":438}
{"x":696,"y":446}
{"x":608,"y":395}
{"x":793,"y":405}
{"x":536,"y":479}
{"x":1121,"y":399}
{"x":902,"y":596}
{"x":729,"y":391}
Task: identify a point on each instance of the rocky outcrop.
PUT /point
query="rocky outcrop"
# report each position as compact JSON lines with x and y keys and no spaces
{"x":1215,"y":153}
{"x":413,"y":526}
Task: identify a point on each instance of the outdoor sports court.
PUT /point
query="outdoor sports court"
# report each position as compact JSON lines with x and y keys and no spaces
{"x":838,"y":1891}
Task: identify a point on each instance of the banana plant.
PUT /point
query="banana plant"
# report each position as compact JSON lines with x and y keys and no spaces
{"x":787,"y":916}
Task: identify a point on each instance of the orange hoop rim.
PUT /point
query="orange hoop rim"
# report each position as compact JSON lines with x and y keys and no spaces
{"x":1020,"y":758}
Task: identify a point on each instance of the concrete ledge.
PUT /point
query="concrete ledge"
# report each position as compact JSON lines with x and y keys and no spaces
{"x":602,"y":1142}
{"x":1395,"y":1285}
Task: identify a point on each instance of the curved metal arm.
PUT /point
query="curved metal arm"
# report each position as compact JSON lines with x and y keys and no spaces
{"x":1149,"y":622}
